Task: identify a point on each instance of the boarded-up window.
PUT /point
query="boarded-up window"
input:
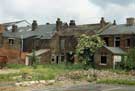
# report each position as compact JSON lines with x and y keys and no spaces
{"x":117,"y":58}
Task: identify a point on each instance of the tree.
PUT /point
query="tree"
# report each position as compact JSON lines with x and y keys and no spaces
{"x":129,"y":60}
{"x":88,"y":45}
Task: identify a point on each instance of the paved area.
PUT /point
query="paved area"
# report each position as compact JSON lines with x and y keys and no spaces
{"x":90,"y":87}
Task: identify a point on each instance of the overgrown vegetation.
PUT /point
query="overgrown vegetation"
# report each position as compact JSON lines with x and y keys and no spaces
{"x":74,"y":72}
{"x":16,"y":66}
{"x":117,"y":81}
{"x":87,"y":45}
{"x":34,"y":61}
{"x":128,"y":61}
{"x":42,"y":72}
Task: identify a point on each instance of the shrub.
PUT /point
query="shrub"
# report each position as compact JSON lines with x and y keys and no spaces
{"x":129,"y":60}
{"x":117,"y":81}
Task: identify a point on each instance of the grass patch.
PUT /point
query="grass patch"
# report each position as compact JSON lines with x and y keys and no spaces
{"x":117,"y":81}
{"x":8,"y":77}
{"x":15,"y":66}
{"x":41,"y":72}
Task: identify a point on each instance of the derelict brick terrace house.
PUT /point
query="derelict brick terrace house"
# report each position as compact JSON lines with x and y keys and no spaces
{"x":28,"y":37}
{"x":59,"y":38}
{"x":69,"y":35}
{"x":119,"y":39}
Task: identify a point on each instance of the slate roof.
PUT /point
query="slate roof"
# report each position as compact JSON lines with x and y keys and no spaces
{"x":16,"y":22}
{"x":115,"y":50}
{"x":119,"y":29}
{"x":42,"y":32}
{"x":82,"y":29}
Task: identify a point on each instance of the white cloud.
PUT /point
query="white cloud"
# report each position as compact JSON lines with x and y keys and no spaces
{"x":48,"y":10}
{"x":114,"y":11}
{"x":83,"y":11}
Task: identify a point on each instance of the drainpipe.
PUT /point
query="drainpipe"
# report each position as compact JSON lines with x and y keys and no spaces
{"x":21,"y":46}
{"x":113,"y":63}
{"x":22,"y":43}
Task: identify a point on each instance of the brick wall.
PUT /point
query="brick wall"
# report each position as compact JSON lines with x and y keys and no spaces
{"x":97,"y":58}
{"x":123,"y":39}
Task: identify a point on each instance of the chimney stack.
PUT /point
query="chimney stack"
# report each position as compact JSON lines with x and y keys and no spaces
{"x":72,"y":23}
{"x":114,"y":22}
{"x":14,"y":28}
{"x":102,"y":22}
{"x":58,"y":24}
{"x":47,"y":23}
{"x":65,"y":25}
{"x":34,"y":25}
{"x":1,"y":28}
{"x":130,"y":21}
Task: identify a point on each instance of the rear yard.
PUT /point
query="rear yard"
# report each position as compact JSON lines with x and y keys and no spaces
{"x":62,"y":75}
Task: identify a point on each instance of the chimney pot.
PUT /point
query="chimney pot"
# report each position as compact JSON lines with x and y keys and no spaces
{"x":14,"y":28}
{"x":58,"y":24}
{"x":47,"y":23}
{"x":72,"y":23}
{"x":34,"y":25}
{"x":114,"y":22}
{"x":102,"y":22}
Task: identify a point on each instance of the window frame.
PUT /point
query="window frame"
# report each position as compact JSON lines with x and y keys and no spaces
{"x":101,"y":60}
{"x":62,"y":43}
{"x":11,"y":41}
{"x":106,"y":42}
{"x":128,"y":43}
{"x":116,"y":40}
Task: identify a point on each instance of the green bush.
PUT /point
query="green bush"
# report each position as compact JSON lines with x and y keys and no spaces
{"x":129,"y":60}
{"x":8,"y":77}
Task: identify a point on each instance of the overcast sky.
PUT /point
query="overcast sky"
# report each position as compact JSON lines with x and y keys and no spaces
{"x":83,"y":11}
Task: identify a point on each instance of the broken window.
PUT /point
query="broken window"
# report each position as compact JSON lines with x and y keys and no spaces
{"x":106,"y":39}
{"x":117,"y":42}
{"x":11,"y":41}
{"x":62,"y":58}
{"x":128,"y":42}
{"x":103,"y":60}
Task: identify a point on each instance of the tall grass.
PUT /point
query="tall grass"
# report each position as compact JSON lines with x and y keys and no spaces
{"x":41,"y":72}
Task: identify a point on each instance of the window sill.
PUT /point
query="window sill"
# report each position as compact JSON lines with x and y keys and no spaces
{"x":102,"y":64}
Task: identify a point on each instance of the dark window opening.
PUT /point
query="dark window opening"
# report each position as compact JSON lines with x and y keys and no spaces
{"x":57,"y":59}
{"x":117,"y":41}
{"x":53,"y":60}
{"x":128,"y":42}
{"x":62,"y":58}
{"x":106,"y":39}
{"x":103,"y":59}
{"x":11,"y":41}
